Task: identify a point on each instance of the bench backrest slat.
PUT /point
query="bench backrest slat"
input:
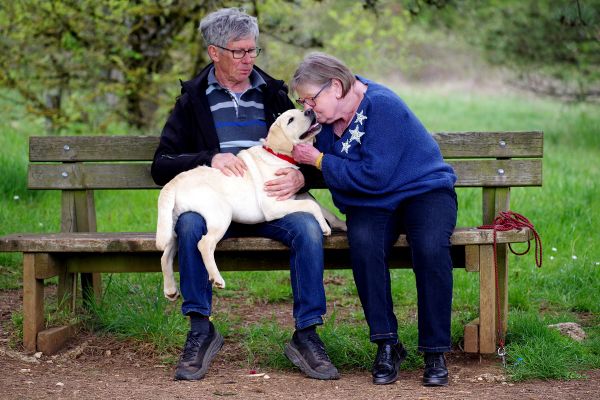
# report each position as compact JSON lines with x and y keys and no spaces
{"x":471,"y":173}
{"x":480,"y":159}
{"x":92,"y":148}
{"x":141,"y":148}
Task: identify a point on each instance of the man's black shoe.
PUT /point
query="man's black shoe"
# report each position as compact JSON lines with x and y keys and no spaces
{"x":310,"y":356}
{"x":387,"y":363}
{"x":198,"y":353}
{"x":436,"y":372}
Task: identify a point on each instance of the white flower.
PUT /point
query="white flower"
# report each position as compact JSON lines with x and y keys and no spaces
{"x":574,"y":257}
{"x":554,"y":249}
{"x":16,"y":197}
{"x":597,"y":263}
{"x":552,"y":257}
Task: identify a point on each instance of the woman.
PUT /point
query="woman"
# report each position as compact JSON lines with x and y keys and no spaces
{"x":387,"y":174}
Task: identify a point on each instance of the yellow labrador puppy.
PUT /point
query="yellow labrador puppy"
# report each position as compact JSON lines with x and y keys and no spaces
{"x":222,"y":199}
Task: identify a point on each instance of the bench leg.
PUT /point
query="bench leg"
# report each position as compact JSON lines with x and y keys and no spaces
{"x":487,"y":301}
{"x":33,"y":303}
{"x":91,"y":287}
{"x":67,"y":291}
{"x":502,"y":252}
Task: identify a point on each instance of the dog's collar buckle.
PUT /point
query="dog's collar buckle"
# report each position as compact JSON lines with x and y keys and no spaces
{"x":282,"y":156}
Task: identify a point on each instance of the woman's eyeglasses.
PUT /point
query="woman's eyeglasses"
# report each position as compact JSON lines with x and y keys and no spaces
{"x":310,"y":101}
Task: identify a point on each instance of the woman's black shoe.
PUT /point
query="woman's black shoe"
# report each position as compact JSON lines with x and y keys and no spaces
{"x":387,"y":363}
{"x":436,"y":372}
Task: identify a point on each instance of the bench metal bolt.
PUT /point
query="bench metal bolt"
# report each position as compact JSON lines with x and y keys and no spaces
{"x":66,"y":147}
{"x":500,"y":171}
{"x":502,"y":143}
{"x":65,"y":174}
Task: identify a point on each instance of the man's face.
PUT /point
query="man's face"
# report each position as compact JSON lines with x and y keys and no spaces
{"x":234,"y":70}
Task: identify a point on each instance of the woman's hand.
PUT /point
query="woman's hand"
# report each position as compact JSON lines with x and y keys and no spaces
{"x":285,"y":187}
{"x":305,"y":153}
{"x":228,"y":164}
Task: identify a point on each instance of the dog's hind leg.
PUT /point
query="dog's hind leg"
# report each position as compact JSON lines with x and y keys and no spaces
{"x":216,"y":226}
{"x":166,"y":263}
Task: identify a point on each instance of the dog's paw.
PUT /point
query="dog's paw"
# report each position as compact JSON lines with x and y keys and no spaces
{"x":171,"y":296}
{"x":218,"y":282}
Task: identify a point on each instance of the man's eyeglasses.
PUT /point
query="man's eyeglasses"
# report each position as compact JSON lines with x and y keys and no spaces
{"x":241,"y":53}
{"x":310,"y":101}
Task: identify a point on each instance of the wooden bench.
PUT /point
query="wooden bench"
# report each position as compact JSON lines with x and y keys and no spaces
{"x":492,"y":161}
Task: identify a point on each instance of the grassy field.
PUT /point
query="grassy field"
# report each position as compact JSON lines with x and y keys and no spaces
{"x":566,"y":288}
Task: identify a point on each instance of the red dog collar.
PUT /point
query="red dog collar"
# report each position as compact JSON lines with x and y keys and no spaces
{"x":282,"y":156}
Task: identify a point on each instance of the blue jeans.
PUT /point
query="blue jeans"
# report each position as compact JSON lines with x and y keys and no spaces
{"x":299,"y":231}
{"x":428,"y":220}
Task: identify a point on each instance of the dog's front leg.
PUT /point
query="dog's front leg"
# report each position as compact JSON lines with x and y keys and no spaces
{"x":330,"y":217}
{"x":283,"y":208}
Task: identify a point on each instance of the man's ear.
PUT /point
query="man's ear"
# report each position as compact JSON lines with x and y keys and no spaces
{"x":277,"y":140}
{"x":213,"y":53}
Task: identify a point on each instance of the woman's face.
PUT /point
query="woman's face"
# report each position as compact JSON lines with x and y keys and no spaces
{"x":323,"y":100}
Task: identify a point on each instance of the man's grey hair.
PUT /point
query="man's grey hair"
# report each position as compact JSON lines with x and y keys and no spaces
{"x":228,"y":24}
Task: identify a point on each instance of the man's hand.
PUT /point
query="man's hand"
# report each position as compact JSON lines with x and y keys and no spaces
{"x":285,"y":187}
{"x":228,"y":164}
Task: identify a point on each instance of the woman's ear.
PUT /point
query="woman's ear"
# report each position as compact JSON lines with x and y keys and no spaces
{"x":337,"y":87}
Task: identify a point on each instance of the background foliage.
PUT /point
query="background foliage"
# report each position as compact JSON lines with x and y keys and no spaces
{"x":87,"y":65}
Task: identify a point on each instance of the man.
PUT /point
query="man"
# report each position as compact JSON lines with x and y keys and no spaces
{"x":229,"y":106}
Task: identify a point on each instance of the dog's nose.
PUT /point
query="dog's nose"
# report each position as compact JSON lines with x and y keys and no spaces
{"x":309,"y":113}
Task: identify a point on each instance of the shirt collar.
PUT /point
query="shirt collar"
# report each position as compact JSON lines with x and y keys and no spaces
{"x":256,"y":81}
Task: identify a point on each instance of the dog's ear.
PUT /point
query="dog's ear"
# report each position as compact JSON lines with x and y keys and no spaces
{"x":278,"y":141}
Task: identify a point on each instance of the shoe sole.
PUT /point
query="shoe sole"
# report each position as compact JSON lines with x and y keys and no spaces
{"x":392,"y":378}
{"x":211,"y":352}
{"x":429,"y":382}
{"x":296,"y":358}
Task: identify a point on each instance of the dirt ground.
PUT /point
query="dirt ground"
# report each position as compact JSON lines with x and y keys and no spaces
{"x":95,"y":367}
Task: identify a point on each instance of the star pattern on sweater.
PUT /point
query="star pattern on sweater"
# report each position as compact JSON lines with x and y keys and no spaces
{"x":356,"y":134}
{"x":346,"y":146}
{"x":360,"y":117}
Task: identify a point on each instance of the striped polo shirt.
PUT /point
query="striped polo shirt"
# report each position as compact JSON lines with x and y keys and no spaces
{"x":239,"y":117}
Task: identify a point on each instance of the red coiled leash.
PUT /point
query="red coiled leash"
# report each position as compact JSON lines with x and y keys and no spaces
{"x":505,"y":221}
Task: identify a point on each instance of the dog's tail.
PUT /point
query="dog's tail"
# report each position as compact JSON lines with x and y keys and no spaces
{"x":164,"y":224}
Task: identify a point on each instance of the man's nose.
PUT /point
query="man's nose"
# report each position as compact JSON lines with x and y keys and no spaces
{"x":247,"y":59}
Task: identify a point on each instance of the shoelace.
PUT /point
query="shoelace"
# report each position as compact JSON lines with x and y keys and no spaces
{"x":385,"y":357}
{"x":192,"y":345}
{"x":432,"y":361}
{"x":317,"y":347}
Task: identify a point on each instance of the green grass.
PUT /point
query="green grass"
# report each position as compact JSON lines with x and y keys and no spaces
{"x":564,"y":211}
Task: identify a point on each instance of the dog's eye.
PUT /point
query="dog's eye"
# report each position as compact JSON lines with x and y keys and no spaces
{"x":290,"y":120}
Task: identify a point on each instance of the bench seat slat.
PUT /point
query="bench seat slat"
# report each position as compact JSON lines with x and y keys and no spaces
{"x":131,"y":242}
{"x":471,"y":173}
{"x":227,"y":261}
{"x":142,"y":148}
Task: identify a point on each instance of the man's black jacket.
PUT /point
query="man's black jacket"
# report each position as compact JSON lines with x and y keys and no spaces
{"x":189,"y":137}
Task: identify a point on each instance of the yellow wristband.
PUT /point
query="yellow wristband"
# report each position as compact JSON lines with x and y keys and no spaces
{"x":319,"y":161}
